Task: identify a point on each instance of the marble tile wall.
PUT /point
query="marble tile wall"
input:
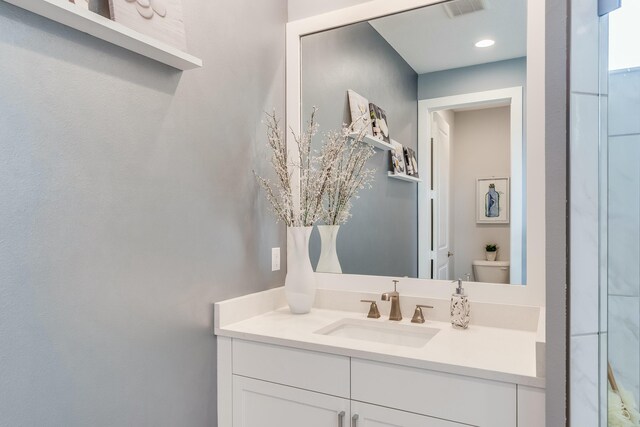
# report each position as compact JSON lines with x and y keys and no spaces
{"x":624,"y":228}
{"x":605,"y":220}
{"x":586,"y":137}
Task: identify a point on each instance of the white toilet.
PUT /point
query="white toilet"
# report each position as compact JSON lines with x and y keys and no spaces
{"x":491,"y":271}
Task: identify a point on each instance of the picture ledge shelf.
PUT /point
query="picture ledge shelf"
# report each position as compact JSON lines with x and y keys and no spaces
{"x":404,"y":177}
{"x":374,"y":142}
{"x":68,"y":14}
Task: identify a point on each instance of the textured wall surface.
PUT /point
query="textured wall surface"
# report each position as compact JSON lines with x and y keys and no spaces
{"x":381,"y":238}
{"x":127,"y":207}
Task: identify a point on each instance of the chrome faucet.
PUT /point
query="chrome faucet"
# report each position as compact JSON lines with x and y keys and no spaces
{"x":394,"y":297}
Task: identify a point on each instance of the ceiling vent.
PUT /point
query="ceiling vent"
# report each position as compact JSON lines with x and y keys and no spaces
{"x":457,"y":8}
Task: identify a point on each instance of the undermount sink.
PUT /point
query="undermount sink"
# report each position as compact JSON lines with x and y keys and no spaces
{"x":380,"y":331}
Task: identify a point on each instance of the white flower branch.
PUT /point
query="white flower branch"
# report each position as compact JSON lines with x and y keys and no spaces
{"x":329,"y":179}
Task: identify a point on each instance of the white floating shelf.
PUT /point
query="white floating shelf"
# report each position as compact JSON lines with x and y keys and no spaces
{"x":374,"y":142}
{"x":69,"y":14}
{"x":404,"y":177}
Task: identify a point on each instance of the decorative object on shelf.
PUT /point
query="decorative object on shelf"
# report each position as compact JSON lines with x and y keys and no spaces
{"x":411,"y":162}
{"x":315,"y":172}
{"x":160,"y":19}
{"x":379,"y":121}
{"x":99,"y":25}
{"x":348,"y":176}
{"x":397,"y":158}
{"x":491,"y":251}
{"x":359,"y":108}
{"x":460,"y":308}
{"x":492,"y":200}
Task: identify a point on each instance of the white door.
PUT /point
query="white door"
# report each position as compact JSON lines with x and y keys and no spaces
{"x":442,"y":199}
{"x":378,"y":416}
{"x":263,"y":404}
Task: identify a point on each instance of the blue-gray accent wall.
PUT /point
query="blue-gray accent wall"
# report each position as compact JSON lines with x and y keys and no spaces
{"x":381,"y":238}
{"x":475,"y":78}
{"x":127,"y":207}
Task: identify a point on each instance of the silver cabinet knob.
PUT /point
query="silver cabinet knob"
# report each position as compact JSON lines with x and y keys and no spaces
{"x":341,"y":415}
{"x":354,"y":420}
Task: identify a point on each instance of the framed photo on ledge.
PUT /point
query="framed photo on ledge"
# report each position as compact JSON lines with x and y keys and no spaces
{"x":492,"y":200}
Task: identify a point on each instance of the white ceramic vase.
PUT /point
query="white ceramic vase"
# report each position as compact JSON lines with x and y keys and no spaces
{"x":328,"y":262}
{"x":300,"y":282}
{"x":491,"y":256}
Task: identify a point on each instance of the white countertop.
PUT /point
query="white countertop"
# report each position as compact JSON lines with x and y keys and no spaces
{"x":489,"y":352}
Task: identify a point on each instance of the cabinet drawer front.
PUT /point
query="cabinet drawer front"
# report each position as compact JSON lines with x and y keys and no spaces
{"x":451,"y":397}
{"x":321,"y":372}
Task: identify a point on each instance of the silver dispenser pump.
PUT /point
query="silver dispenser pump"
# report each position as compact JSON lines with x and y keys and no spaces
{"x":459,"y":289}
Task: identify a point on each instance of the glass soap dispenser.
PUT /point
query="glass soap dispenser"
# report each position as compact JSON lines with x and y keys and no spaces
{"x":460,"y":307}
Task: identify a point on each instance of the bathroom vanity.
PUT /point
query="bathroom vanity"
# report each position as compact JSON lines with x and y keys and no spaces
{"x":336,"y":367}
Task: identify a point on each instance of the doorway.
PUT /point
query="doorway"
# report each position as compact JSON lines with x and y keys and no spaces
{"x":437,"y":257}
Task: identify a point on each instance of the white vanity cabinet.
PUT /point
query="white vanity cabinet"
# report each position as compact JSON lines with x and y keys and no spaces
{"x":367,"y":415}
{"x":267,"y":385}
{"x":258,"y":403}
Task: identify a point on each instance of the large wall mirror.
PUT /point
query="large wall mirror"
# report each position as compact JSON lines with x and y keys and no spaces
{"x":451,"y":81}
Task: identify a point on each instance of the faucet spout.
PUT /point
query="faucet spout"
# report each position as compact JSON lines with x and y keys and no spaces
{"x":394,"y":297}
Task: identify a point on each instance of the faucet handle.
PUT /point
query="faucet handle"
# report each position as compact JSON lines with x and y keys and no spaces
{"x":395,"y":285}
{"x":418,"y":316}
{"x":374,"y":313}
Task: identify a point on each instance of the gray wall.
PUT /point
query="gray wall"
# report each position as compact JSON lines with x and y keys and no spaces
{"x":127,"y":207}
{"x":476,"y":78}
{"x":381,"y":237}
{"x":480,"y":147}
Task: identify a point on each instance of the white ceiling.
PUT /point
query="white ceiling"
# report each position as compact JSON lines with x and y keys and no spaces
{"x":429,"y":40}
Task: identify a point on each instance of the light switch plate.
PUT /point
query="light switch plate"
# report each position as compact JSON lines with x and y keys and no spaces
{"x":275,"y":259}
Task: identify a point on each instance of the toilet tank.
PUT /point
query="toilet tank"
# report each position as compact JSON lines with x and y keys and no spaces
{"x":491,"y":271}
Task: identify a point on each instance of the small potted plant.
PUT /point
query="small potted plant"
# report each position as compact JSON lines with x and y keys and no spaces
{"x":491,"y":251}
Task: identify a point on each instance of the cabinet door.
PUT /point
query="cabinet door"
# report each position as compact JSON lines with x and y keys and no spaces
{"x":378,"y":416}
{"x":261,"y":404}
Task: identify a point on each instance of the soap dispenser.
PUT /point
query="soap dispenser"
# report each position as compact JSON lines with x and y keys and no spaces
{"x":460,"y":307}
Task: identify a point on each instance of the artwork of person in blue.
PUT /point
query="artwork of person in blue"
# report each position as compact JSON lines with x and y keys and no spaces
{"x":492,"y":202}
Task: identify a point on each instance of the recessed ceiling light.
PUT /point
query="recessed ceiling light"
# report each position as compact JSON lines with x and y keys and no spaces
{"x":485,"y":43}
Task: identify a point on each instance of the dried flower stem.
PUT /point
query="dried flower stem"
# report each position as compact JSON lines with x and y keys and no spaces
{"x":314,"y":174}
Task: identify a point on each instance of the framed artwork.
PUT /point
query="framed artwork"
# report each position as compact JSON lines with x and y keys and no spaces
{"x":379,"y":123}
{"x":160,"y":19}
{"x":398,"y":166}
{"x":492,"y":200}
{"x":382,"y":125}
{"x":410,"y":162}
{"x":359,"y":108}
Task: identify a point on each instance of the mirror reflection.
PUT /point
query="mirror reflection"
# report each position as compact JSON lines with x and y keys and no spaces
{"x":444,"y":86}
